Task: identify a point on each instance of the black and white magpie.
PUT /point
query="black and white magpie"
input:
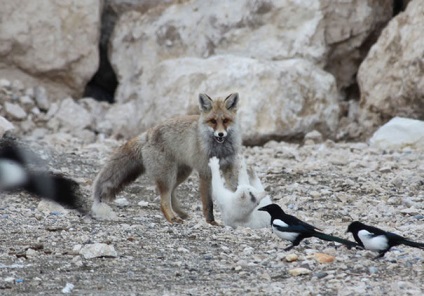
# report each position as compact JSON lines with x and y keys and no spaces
{"x":376,"y":239}
{"x":295,"y":230}
{"x":20,"y":170}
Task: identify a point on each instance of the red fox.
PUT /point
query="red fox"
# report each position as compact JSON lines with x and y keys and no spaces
{"x":169,"y":152}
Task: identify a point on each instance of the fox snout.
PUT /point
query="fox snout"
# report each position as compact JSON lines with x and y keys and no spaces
{"x":220,"y":136}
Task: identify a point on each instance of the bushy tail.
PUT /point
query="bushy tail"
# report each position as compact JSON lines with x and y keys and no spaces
{"x":327,"y":237}
{"x":413,"y":244}
{"x":125,"y":165}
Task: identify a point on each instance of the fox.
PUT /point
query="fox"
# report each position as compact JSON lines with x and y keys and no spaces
{"x":239,"y":208}
{"x":169,"y":152}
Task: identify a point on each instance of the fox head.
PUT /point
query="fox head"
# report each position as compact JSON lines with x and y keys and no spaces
{"x":219,"y":115}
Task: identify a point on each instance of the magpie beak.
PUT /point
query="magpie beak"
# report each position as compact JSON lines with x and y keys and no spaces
{"x":290,"y":228}
{"x":378,"y":240}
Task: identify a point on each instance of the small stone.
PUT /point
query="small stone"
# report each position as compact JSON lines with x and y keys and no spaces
{"x":122,"y":202}
{"x":4,"y":83}
{"x":410,"y":211}
{"x":299,"y":271}
{"x":324,"y":258}
{"x":321,"y":274}
{"x":314,"y":194}
{"x":291,"y":257}
{"x":237,"y":268}
{"x":31,"y":253}
{"x":98,"y":250}
{"x":143,"y":203}
{"x":373,"y":269}
{"x":9,"y":279}
{"x":15,"y":111}
{"x":5,"y":125}
{"x":68,"y":288}
{"x":182,"y":250}
{"x":26,"y":101}
{"x":385,"y":169}
{"x":40,"y":95}
{"x":17,"y":85}
{"x":314,"y":136}
{"x":47,"y":207}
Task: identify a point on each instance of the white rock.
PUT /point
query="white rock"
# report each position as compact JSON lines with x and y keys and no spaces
{"x":4,"y":83}
{"x":98,"y":250}
{"x":122,"y":202}
{"x":26,"y":101}
{"x":68,"y":288}
{"x":72,"y":116}
{"x":14,"y":111}
{"x":299,"y":271}
{"x":31,"y":253}
{"x":5,"y":125}
{"x":399,"y":133}
{"x":143,"y":203}
{"x":40,"y":96}
{"x":46,"y":207}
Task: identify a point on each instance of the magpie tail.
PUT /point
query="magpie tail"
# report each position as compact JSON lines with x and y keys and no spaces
{"x":413,"y":244}
{"x":20,"y":170}
{"x":55,"y":187}
{"x":327,"y":237}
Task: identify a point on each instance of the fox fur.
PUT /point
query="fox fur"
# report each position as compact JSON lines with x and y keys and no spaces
{"x":168,"y":153}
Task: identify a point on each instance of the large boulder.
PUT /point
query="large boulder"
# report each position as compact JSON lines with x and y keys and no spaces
{"x":52,"y":43}
{"x":399,"y":133}
{"x":351,"y":27}
{"x":278,"y":100}
{"x":391,"y":78}
{"x":262,"y":30}
{"x":335,"y":35}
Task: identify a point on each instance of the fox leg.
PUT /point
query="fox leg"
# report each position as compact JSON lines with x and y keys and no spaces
{"x":166,"y":202}
{"x":182,"y":175}
{"x":206,"y":197}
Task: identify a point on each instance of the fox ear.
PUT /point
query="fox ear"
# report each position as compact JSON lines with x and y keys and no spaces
{"x":231,"y":101}
{"x":205,"y":102}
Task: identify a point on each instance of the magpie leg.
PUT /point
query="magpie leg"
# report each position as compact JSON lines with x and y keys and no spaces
{"x":289,"y":248}
{"x":380,"y":255}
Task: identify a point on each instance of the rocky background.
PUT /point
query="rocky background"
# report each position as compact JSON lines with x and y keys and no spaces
{"x":342,"y":68}
{"x":342,"y":81}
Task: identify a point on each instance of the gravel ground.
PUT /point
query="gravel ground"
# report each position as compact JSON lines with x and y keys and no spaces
{"x":328,"y":185}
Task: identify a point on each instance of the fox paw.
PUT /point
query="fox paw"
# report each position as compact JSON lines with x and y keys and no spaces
{"x":213,"y":162}
{"x":176,"y":219}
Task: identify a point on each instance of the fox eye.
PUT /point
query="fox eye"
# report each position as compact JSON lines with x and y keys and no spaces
{"x":225,"y":121}
{"x":213,"y":121}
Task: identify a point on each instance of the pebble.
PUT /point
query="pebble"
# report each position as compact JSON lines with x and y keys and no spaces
{"x":324,"y":258}
{"x":299,"y":271}
{"x":90,"y":251}
{"x":291,"y":257}
{"x":40,"y":95}
{"x":15,"y":111}
{"x":68,"y":288}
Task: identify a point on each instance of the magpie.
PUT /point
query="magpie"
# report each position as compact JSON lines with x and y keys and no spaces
{"x":295,"y":230}
{"x":376,"y":239}
{"x":17,"y":173}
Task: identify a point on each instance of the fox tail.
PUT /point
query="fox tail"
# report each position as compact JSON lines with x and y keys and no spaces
{"x":125,"y":165}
